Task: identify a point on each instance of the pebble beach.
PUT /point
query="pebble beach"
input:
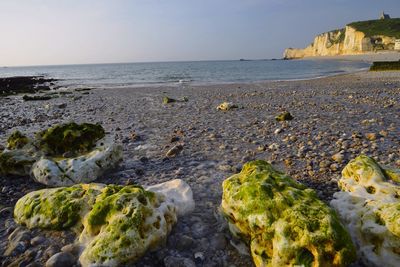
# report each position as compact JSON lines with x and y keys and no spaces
{"x":335,"y":119}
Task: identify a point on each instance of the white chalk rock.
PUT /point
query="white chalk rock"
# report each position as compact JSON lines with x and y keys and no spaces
{"x":369,"y":205}
{"x":178,"y":192}
{"x":81,"y":169}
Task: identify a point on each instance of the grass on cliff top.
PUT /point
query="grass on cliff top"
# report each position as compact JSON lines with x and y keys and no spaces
{"x":387,"y":27}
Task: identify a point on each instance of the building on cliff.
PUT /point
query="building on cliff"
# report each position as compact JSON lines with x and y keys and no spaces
{"x":384,"y":16}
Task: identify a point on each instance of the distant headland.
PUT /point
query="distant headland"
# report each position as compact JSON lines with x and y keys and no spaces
{"x":356,"y":38}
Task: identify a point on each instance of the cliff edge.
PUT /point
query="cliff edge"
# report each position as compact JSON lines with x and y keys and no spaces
{"x":356,"y":38}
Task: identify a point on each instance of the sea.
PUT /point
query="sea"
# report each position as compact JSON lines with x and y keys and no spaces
{"x":184,"y":73}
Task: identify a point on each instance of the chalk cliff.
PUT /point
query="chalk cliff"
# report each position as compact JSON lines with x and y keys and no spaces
{"x":355,"y":38}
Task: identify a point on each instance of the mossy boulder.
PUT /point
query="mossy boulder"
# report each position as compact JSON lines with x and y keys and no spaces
{"x":120,"y":223}
{"x":84,"y":168}
{"x":124,"y":223}
{"x":56,"y":208}
{"x":369,"y":205}
{"x":283,"y":222}
{"x":62,"y":155}
{"x":70,"y":137}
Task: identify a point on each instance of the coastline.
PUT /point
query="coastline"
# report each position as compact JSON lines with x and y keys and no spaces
{"x":366,"y":57}
{"x":331,"y":114}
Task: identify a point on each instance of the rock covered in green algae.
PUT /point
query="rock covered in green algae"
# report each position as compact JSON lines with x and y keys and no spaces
{"x":56,"y":208}
{"x":225,"y":106}
{"x":18,"y":161}
{"x":284,"y":223}
{"x":70,"y":137}
{"x":369,"y":204}
{"x":119,"y":222}
{"x":285,"y":116}
{"x":85,"y":168}
{"x":123,"y":224}
{"x":167,"y":100}
{"x":17,"y":140}
{"x":62,"y":155}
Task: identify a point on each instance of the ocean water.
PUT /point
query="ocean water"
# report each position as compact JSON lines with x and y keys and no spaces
{"x":176,"y":73}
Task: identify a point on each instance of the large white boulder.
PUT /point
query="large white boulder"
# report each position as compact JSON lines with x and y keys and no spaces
{"x":370,"y":208}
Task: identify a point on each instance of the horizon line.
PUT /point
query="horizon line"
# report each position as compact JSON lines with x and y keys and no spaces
{"x":138,"y":62}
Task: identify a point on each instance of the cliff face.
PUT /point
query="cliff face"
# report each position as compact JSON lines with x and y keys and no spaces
{"x":347,"y":41}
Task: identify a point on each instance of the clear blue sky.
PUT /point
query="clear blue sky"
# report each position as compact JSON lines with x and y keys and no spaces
{"x":40,"y":32}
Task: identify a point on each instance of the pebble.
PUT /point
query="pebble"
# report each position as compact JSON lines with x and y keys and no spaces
{"x":218,"y":241}
{"x":61,"y":259}
{"x":184,"y":242}
{"x":370,"y":136}
{"x":174,"y":151}
{"x":51,"y":250}
{"x":338,"y":157}
{"x":172,"y":261}
{"x":37,"y":240}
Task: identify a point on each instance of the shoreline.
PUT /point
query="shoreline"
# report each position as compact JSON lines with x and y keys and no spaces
{"x":366,"y":57}
{"x":331,"y":115}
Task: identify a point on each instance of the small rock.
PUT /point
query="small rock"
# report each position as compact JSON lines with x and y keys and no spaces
{"x":174,"y":139}
{"x":218,"y":242}
{"x":286,"y":116}
{"x":225,"y":106}
{"x":338,"y":157}
{"x":62,"y":105}
{"x":323,"y":164}
{"x":144,"y":159}
{"x":61,"y":259}
{"x":199,"y":257}
{"x":74,"y":249}
{"x":184,"y":242}
{"x":174,"y":151}
{"x":277,"y":131}
{"x":37,"y":240}
{"x":225,"y":167}
{"x":167,"y":100}
{"x":383,"y":133}
{"x":51,"y":250}
{"x":172,"y":261}
{"x":370,"y":136}
{"x":199,"y":230}
{"x":334,"y":167}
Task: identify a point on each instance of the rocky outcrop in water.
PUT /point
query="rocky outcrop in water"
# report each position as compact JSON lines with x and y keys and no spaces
{"x":24,"y":84}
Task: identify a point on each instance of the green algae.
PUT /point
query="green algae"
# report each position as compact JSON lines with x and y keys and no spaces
{"x":283,"y":222}
{"x":17,"y":140}
{"x":70,"y":137}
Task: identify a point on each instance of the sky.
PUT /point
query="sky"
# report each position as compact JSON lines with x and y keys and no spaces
{"x":51,"y":32}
